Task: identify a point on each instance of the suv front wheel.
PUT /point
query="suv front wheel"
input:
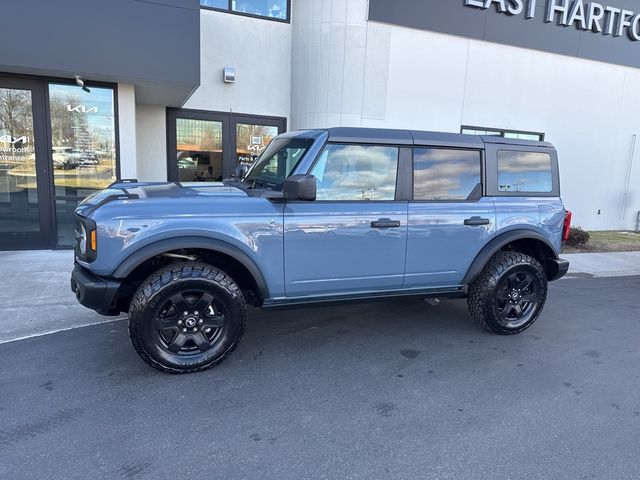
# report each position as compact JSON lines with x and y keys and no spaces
{"x":187,"y":317}
{"x":509,"y":294}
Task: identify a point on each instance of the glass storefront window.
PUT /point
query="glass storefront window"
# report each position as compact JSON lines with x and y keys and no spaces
{"x":66,"y":221}
{"x":83,"y":139}
{"x":221,"y":4}
{"x":19,"y":209}
{"x":262,"y":8}
{"x":199,"y":150}
{"x":251,"y":140}
{"x":274,"y":9}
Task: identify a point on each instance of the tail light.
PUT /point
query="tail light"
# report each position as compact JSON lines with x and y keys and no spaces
{"x":566,"y":226}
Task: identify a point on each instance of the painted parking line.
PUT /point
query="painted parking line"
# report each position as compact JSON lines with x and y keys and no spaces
{"x":51,"y":332}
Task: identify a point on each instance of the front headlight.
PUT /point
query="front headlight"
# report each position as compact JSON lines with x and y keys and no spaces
{"x":82,"y":240}
{"x":86,"y":239}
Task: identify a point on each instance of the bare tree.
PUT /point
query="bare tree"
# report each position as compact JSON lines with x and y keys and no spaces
{"x":16,"y":116}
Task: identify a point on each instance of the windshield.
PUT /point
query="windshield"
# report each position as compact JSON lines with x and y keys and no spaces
{"x":277,"y":162}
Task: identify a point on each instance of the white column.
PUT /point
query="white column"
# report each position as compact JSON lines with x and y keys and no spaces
{"x":151,"y":143}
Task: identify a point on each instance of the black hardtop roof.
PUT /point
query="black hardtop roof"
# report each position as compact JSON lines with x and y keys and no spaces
{"x":416,"y":137}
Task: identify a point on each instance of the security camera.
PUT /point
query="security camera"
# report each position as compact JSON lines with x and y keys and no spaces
{"x":80,"y":83}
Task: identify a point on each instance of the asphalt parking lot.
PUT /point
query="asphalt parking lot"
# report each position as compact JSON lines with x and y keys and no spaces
{"x":387,"y":390}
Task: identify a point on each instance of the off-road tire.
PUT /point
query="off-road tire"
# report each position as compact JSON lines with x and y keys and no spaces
{"x":485,"y":307}
{"x":174,"y":279}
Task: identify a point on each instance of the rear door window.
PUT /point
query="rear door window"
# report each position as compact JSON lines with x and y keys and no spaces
{"x":442,"y":174}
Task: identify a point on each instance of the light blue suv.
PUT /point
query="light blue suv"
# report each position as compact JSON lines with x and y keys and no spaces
{"x":343,"y":214}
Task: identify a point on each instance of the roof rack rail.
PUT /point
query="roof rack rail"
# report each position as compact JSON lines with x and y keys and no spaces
{"x":123,"y":180}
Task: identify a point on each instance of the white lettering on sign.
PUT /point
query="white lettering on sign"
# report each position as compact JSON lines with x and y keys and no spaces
{"x":590,"y":16}
{"x":12,"y":140}
{"x":82,"y":109}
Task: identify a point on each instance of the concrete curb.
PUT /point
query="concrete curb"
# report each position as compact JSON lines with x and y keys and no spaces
{"x":608,"y":264}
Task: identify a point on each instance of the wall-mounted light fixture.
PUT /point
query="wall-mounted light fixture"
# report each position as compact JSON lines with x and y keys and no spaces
{"x":229,"y":74}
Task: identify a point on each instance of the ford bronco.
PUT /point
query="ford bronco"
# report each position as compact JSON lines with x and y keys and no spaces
{"x":340,"y":214}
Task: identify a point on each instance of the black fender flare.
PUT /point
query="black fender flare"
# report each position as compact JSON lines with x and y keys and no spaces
{"x":490,"y":249}
{"x":161,"y":246}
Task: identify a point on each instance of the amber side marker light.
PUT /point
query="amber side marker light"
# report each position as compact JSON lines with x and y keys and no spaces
{"x":94,"y":241}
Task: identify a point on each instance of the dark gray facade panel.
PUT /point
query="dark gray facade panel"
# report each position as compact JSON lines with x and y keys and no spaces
{"x":444,"y":16}
{"x":453,"y":17}
{"x":132,"y":41}
{"x":535,"y":33}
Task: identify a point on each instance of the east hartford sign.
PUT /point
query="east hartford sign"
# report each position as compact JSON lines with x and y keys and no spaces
{"x":590,"y":16}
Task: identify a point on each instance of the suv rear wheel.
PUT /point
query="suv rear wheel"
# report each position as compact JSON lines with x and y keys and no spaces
{"x":509,"y":294}
{"x":187,"y":317}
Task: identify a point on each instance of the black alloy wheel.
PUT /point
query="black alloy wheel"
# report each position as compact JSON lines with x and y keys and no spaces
{"x":189,"y":322}
{"x":518,"y":297}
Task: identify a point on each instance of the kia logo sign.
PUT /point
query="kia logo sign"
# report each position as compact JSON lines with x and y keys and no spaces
{"x":12,"y":140}
{"x":82,"y":109}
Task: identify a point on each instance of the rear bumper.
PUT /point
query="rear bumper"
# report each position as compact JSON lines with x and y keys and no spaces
{"x":556,"y":268}
{"x":95,"y":292}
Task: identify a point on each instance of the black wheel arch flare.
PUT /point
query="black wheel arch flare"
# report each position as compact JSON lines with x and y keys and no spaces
{"x":162,"y":246}
{"x":499,"y":242}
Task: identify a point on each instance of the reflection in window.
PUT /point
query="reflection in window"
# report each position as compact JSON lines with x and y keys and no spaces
{"x":221,"y":4}
{"x":277,"y":162}
{"x":354,"y":172}
{"x":199,"y":150}
{"x":524,"y":171}
{"x":263,"y":8}
{"x":276,"y":9}
{"x":251,"y":140}
{"x":19,"y":209}
{"x":83,"y":139}
{"x":442,"y":174}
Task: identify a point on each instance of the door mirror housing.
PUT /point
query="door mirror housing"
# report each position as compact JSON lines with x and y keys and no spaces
{"x":300,"y":187}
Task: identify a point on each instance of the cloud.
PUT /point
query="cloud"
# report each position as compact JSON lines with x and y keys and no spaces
{"x":445,"y":174}
{"x":519,"y":162}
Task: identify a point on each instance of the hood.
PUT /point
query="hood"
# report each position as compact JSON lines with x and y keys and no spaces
{"x":130,"y":191}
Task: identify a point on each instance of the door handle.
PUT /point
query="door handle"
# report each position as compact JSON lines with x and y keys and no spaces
{"x":476,"y":221}
{"x":385,"y":223}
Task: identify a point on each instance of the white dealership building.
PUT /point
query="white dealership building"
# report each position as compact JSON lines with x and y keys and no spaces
{"x":567,"y":72}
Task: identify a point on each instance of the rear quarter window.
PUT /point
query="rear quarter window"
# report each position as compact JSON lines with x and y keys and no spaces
{"x":521,"y":171}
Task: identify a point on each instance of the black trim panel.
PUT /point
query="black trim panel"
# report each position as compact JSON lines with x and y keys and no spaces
{"x":556,"y":269}
{"x":95,"y":292}
{"x":452,"y":292}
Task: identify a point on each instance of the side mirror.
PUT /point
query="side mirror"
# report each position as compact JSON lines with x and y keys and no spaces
{"x":300,"y":187}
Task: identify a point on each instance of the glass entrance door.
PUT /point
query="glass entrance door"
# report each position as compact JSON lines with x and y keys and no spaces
{"x":24,"y":173}
{"x":83,"y":149}
{"x":211,"y":146}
